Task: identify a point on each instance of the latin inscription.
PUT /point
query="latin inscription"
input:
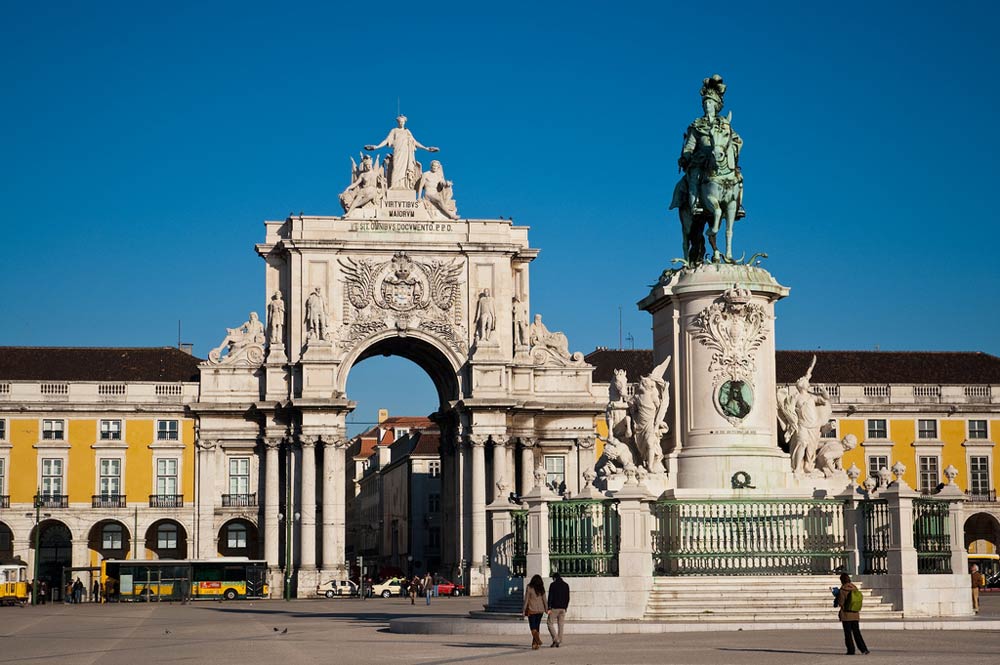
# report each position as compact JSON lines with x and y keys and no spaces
{"x":374,"y":226}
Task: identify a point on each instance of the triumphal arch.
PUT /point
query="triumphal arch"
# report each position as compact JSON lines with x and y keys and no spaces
{"x":399,"y":272}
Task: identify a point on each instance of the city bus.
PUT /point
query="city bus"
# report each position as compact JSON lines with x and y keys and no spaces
{"x":989,"y":564}
{"x":13,"y":584}
{"x":193,"y":579}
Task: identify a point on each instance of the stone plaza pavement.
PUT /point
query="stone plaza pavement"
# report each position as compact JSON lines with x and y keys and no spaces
{"x":351,"y":631}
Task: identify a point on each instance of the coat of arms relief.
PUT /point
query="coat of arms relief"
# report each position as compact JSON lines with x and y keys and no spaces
{"x":403,"y":294}
{"x":733,"y":327}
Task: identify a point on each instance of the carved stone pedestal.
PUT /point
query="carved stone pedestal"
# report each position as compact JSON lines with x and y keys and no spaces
{"x":717,"y":321}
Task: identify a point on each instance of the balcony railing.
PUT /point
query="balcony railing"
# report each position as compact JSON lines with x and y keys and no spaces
{"x":166,"y":500}
{"x":239,"y":500}
{"x":4,"y":501}
{"x":52,"y":500}
{"x":107,"y":501}
{"x":989,"y":496}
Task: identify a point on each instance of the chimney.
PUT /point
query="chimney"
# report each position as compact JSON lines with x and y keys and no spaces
{"x":383,"y":414}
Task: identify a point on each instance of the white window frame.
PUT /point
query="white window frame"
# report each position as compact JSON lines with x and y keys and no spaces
{"x":988,"y":470}
{"x":552,"y":472}
{"x":110,"y":471}
{"x":232,"y":529}
{"x":4,"y":429}
{"x":986,"y":429}
{"x":434,"y":468}
{"x":874,"y":473}
{"x":120,"y":432}
{"x":3,"y":474}
{"x":937,"y":428}
{"x":48,"y":426}
{"x":159,"y":539}
{"x":920,"y":473}
{"x":176,"y":475}
{"x":239,"y":475}
{"x":104,"y":536}
{"x":167,"y":434}
{"x":869,"y":429}
{"x":45,"y":479}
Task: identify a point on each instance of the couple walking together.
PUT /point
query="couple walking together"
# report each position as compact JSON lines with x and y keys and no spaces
{"x":536,"y":604}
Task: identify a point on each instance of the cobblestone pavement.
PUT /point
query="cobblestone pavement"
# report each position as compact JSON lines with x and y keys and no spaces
{"x":351,"y":631}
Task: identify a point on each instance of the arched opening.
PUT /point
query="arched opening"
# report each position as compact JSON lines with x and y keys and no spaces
{"x":167,"y":539}
{"x":399,"y":512}
{"x":109,"y":539}
{"x":55,"y":552}
{"x":982,"y":536}
{"x":238,"y":538}
{"x":6,"y":544}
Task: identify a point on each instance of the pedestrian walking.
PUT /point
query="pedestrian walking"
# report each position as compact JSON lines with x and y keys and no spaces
{"x":95,"y":592}
{"x":78,"y":591}
{"x":414,"y":588}
{"x":558,"y":604}
{"x":978,"y":582}
{"x":849,"y":601}
{"x":43,"y":592}
{"x":534,"y":607}
{"x":428,"y":586}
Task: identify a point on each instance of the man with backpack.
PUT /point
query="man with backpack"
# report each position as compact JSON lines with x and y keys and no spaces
{"x":849,"y":600}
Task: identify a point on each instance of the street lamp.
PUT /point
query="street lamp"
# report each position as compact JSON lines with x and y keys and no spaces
{"x":288,"y":552}
{"x":38,"y":518}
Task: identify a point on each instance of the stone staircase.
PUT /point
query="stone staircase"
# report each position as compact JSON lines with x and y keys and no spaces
{"x":754,"y":598}
{"x":509,"y":607}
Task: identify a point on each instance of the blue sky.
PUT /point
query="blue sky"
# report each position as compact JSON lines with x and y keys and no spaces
{"x":145,"y":145}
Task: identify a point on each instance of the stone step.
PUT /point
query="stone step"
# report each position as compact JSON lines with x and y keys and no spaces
{"x":494,"y":615}
{"x":765,"y":617}
{"x":697,"y":606}
{"x":738,"y":580}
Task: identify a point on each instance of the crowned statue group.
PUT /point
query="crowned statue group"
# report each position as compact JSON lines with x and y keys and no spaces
{"x":399,"y":171}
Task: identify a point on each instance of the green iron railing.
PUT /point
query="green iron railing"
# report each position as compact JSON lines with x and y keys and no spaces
{"x":519,"y":528}
{"x":748,"y":537}
{"x":584,"y":538}
{"x":875,"y":537}
{"x":931,"y":536}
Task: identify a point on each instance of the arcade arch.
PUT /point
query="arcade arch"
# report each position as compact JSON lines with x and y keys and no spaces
{"x":238,"y":537}
{"x":55,"y":552}
{"x":167,"y":539}
{"x":6,"y":543}
{"x":109,"y":539}
{"x":982,"y":534}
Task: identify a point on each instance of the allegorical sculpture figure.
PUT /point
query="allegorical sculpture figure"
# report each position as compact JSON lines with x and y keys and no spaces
{"x":316,"y":321}
{"x":617,"y":453}
{"x":554,"y":342}
{"x":367,"y":184}
{"x":239,"y":341}
{"x":712,"y":187}
{"x":520,"y":313}
{"x":403,"y":169}
{"x":646,"y":413}
{"x":802,"y":414}
{"x":830,"y":454}
{"x":437,"y":192}
{"x":486,"y":319}
{"x":276,"y":318}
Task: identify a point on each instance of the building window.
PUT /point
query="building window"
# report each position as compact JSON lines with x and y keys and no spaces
{"x":111,"y":536}
{"x":979,"y":474}
{"x":52,"y":477}
{"x":977,"y":429}
{"x":236,"y":536}
{"x":3,"y":429}
{"x":166,"y":537}
{"x":877,"y":429}
{"x":434,"y":538}
{"x":555,"y":472}
{"x":3,"y":476}
{"x":111,"y":430}
{"x":927,"y":429}
{"x":239,"y":475}
{"x":167,"y":430}
{"x":111,"y":477}
{"x":166,"y":477}
{"x":434,"y":468}
{"x":433,"y":503}
{"x":875,"y":464}
{"x":930,"y":477}
{"x":53,"y":430}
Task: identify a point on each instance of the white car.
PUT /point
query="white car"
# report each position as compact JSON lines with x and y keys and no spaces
{"x":337,"y":588}
{"x":390,"y":587}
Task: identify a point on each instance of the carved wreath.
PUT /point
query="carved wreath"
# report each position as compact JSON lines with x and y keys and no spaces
{"x":734,"y":328}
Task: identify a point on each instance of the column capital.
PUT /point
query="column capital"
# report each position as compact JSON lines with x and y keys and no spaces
{"x":272,"y":442}
{"x":335,"y":442}
{"x":205,"y":445}
{"x":308,"y":441}
{"x":528,"y":441}
{"x":477,"y":440}
{"x":585,"y":442}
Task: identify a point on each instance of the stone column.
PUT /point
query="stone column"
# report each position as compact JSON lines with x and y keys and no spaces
{"x":584,"y":460}
{"x":499,"y":467}
{"x":307,"y":538}
{"x":901,"y":557}
{"x":501,"y":584}
{"x":272,"y":500}
{"x":956,"y":522}
{"x":334,"y":518}
{"x":537,"y":501}
{"x":477,"y":444}
{"x":635,"y":552}
{"x":527,"y":466}
{"x":206,"y":495}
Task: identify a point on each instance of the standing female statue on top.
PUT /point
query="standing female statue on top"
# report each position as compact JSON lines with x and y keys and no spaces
{"x":403,"y":169}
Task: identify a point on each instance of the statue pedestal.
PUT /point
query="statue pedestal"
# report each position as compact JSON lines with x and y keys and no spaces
{"x":717,"y":321}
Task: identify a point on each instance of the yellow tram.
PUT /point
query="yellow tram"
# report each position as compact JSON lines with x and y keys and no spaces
{"x":13,"y":584}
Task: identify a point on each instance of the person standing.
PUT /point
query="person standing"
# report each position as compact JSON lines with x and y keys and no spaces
{"x":850,"y":618}
{"x":43,"y":592}
{"x":978,"y":582}
{"x":534,"y":607}
{"x":428,"y":586}
{"x":95,"y":592}
{"x":558,"y":603}
{"x":414,"y":587}
{"x":77,"y":592}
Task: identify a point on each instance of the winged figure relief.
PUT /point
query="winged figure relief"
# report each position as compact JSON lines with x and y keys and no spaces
{"x":444,"y":282}
{"x":360,"y":281}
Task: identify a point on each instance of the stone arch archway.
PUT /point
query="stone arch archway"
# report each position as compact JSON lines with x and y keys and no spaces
{"x":167,"y":539}
{"x":109,"y":539}
{"x":982,"y":533}
{"x":6,"y":543}
{"x":55,"y":552}
{"x":238,"y":537}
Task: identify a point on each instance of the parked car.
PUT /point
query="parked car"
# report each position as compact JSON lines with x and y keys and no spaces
{"x":333,"y":588}
{"x":390,"y":587}
{"x":448,"y":588}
